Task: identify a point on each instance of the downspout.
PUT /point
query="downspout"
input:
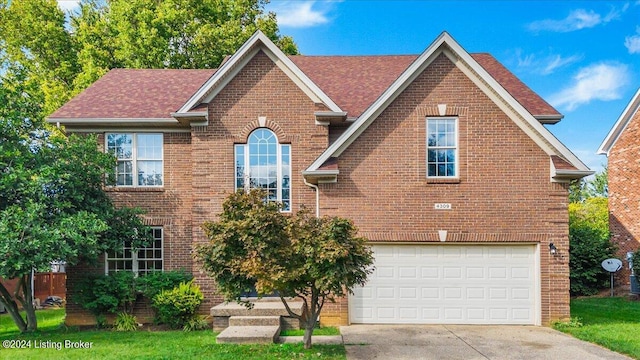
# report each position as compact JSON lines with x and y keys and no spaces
{"x":315,"y":187}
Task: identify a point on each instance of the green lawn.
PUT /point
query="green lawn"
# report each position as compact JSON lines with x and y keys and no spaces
{"x":106,"y":344}
{"x":610,"y":322}
{"x":329,"y":330}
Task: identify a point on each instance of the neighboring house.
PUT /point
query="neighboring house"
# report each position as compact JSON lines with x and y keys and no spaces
{"x":441,"y":160}
{"x":622,"y":148}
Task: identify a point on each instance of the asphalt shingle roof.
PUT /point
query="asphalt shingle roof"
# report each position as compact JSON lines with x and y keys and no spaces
{"x":135,"y":94}
{"x":352,"y":82}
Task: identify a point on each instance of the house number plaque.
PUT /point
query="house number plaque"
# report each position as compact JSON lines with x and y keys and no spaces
{"x":442,"y":206}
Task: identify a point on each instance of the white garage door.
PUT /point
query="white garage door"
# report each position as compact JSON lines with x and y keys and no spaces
{"x":450,"y":284}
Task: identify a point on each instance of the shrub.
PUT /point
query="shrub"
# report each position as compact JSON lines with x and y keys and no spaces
{"x":154,"y":282}
{"x":177,"y":306}
{"x":125,"y":322}
{"x":111,"y":293}
{"x":197,"y":322}
{"x":589,"y":245}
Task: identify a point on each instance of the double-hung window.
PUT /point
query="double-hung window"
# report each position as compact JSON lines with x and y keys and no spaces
{"x":142,"y":261}
{"x":266,"y":164}
{"x":442,"y":148}
{"x":140,"y":158}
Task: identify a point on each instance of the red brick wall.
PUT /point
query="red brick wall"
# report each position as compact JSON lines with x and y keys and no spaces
{"x":504,"y":193}
{"x":168,"y":207}
{"x":260,"y":90}
{"x":624,"y":194}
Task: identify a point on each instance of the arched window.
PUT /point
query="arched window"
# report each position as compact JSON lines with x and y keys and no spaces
{"x":264,"y":163}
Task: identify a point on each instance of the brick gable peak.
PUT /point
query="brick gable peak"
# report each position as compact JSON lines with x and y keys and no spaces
{"x":627,"y":115}
{"x":234,"y":64}
{"x":445,"y":44}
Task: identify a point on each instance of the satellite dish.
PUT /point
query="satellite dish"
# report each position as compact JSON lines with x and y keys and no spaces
{"x":612,"y":265}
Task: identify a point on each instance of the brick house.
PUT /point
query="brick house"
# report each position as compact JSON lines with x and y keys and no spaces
{"x":621,"y":148}
{"x":442,"y":160}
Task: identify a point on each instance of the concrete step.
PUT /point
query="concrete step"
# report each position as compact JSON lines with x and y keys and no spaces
{"x":254,"y":321}
{"x":260,"y":308}
{"x":249,"y":335}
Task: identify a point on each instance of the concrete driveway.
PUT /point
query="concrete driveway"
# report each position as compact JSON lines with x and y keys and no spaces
{"x":364,"y":342}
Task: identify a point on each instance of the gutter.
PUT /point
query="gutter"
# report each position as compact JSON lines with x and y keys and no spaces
{"x":315,"y":187}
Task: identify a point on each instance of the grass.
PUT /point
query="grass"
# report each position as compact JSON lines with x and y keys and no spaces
{"x":610,"y":322}
{"x":328,"y":330}
{"x":105,"y":344}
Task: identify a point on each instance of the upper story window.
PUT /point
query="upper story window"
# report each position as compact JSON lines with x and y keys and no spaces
{"x":442,"y":148}
{"x":264,"y":163}
{"x":139,"y":158}
{"x":142,"y":261}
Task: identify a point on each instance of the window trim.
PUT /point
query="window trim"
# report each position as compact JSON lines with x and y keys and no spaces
{"x":279,"y":166}
{"x":134,"y":158}
{"x":134,"y":256}
{"x":456,"y":148}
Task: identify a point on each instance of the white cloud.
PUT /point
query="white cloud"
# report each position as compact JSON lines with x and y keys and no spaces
{"x":557,"y":61}
{"x":632,"y":43}
{"x":544,"y":63}
{"x":576,"y":20}
{"x":589,"y":157}
{"x":69,"y":5}
{"x":602,"y":81}
{"x":300,"y":14}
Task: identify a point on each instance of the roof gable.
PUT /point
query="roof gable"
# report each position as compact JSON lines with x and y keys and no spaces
{"x":627,"y":115}
{"x":232,"y":66}
{"x":445,"y":44}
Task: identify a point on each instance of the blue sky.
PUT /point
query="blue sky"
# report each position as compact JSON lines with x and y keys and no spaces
{"x":581,"y":56}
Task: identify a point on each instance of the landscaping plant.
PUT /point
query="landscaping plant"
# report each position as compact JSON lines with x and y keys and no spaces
{"x":253,"y":244}
{"x":107,"y":294}
{"x":178,"y":306}
{"x":125,"y":322}
{"x":154,"y":282}
{"x":589,"y":245}
{"x":118,"y":291}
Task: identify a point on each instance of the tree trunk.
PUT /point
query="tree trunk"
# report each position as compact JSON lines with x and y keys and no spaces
{"x":32,"y":320}
{"x":11,"y":306}
{"x":308,"y":331}
{"x":311,"y":318}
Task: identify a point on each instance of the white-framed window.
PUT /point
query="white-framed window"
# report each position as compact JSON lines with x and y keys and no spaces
{"x":265,"y":163}
{"x":142,"y":261}
{"x":140,"y":158}
{"x":442,"y":148}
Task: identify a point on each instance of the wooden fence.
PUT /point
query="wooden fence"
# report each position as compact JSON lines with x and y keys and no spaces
{"x":44,"y":284}
{"x":49,"y":284}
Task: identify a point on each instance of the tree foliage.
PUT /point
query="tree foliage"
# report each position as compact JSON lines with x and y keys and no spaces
{"x":584,"y":188}
{"x":589,"y":245}
{"x":52,"y":203}
{"x":64,"y":58}
{"x":253,"y":244}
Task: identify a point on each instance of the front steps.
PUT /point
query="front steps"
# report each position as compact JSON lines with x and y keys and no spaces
{"x":259,"y":325}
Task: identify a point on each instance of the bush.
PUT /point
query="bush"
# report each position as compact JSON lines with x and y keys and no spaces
{"x":111,"y":293}
{"x":118,"y":291}
{"x":125,"y":322}
{"x":589,"y":245}
{"x":154,"y":282}
{"x":176,"y":307}
{"x":197,"y":322}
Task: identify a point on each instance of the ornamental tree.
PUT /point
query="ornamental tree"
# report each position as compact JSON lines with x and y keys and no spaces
{"x":254,"y":245}
{"x":52,"y":202}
